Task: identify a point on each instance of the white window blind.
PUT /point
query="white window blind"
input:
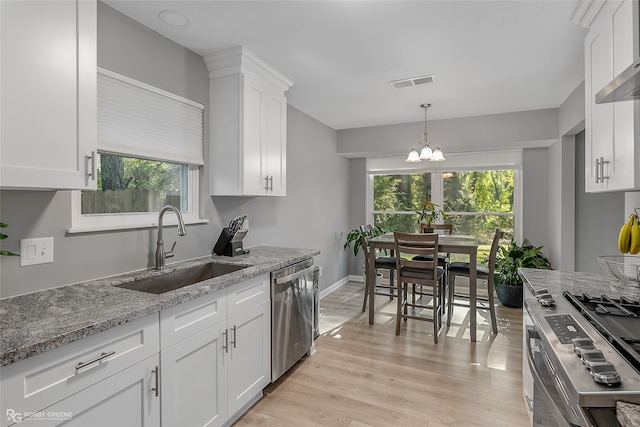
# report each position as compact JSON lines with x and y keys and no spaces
{"x":143,"y":121}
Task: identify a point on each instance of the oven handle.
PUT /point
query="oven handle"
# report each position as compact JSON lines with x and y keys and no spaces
{"x":537,"y":378}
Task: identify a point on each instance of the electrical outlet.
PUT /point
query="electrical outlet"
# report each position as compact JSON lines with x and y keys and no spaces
{"x":36,"y":251}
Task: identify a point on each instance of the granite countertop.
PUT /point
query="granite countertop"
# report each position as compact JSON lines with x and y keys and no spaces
{"x":594,"y":284}
{"x":33,"y":323}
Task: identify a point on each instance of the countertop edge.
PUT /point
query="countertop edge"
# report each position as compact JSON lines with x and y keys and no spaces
{"x":261,"y":260}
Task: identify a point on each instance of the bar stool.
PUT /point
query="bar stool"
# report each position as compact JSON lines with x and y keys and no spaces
{"x":462,"y":269}
{"x":382,"y":262}
{"x":419,"y":272}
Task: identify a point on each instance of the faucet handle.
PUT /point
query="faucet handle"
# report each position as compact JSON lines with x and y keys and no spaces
{"x":170,"y":253}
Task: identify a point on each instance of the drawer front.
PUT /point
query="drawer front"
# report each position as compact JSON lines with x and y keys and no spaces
{"x":248,"y":294}
{"x":42,"y":380}
{"x":187,"y":319}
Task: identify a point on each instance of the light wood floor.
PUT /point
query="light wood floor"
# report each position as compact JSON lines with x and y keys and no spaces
{"x":364,"y":375}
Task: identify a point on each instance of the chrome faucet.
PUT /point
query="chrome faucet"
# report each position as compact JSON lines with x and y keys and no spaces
{"x":161,"y":255}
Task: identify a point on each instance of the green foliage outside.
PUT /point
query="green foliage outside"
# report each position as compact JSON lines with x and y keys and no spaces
{"x":488,"y":193}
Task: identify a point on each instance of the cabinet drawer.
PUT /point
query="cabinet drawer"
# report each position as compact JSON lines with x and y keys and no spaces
{"x":42,"y":380}
{"x":187,"y":319}
{"x":248,"y":294}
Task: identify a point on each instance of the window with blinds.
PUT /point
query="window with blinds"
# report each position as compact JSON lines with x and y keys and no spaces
{"x":150,"y":146}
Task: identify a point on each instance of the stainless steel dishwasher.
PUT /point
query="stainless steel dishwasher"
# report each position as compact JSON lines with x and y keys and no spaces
{"x":292,"y":317}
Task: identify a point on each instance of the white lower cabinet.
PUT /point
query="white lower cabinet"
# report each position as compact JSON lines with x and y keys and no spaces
{"x":200,"y":363}
{"x":216,"y":355}
{"x":126,"y":399}
{"x":194,"y":379}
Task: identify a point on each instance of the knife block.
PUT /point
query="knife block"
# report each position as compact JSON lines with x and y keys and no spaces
{"x":229,"y":245}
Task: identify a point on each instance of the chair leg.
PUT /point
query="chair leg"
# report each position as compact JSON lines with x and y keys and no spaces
{"x":391,"y":275}
{"x":451,"y":292}
{"x":436,"y":312}
{"x":492,"y":309}
{"x":399,"y":308}
{"x":366,"y":294}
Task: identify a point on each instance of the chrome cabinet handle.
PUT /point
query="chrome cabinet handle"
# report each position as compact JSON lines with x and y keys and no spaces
{"x":235,"y":338}
{"x":92,"y":159}
{"x":156,"y":372}
{"x":597,"y":171}
{"x":602,"y":163}
{"x":225,"y":346}
{"x":266,"y":182}
{"x":104,"y":355}
{"x":271,"y":183}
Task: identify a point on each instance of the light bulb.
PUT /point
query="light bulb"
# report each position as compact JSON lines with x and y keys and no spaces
{"x":413,"y":156}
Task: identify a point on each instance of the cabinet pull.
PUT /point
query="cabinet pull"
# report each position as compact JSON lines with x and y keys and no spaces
{"x":602,"y":163}
{"x":598,"y":170}
{"x":156,"y":373}
{"x":225,"y":346}
{"x":104,"y":355}
{"x":271,"y":183}
{"x":266,"y":182}
{"x":234,"y":336}
{"x":92,"y":159}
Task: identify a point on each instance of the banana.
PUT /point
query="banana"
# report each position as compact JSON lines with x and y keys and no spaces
{"x":634,"y":246}
{"x":624,"y":239}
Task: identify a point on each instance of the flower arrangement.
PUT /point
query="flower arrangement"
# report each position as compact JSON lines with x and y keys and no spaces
{"x":430,"y":212}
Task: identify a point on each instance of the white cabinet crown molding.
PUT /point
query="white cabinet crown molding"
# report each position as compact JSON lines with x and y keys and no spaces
{"x":238,"y":59}
{"x":586,"y":11}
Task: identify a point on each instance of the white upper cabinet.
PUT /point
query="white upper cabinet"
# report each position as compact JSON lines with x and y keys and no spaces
{"x":612,"y":157}
{"x":48,"y":84}
{"x":248,"y":125}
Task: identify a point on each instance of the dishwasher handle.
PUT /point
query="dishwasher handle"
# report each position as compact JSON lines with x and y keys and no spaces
{"x":293,"y":276}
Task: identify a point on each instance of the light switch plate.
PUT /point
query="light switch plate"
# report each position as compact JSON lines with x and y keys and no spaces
{"x":36,"y":251}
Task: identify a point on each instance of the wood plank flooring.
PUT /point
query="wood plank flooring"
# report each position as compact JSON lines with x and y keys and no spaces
{"x":364,"y":375}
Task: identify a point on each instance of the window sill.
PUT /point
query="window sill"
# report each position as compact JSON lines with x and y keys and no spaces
{"x":98,"y":228}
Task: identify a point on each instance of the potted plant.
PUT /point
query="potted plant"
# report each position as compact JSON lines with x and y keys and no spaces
{"x":353,"y":242}
{"x":430,"y":213}
{"x":2,"y":237}
{"x":509,"y":258}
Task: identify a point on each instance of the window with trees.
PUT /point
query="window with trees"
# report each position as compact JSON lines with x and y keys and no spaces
{"x":475,"y":202}
{"x":150,"y":148}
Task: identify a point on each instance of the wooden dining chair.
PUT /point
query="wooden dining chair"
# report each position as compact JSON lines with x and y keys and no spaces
{"x":382,"y":262}
{"x":442,"y":229}
{"x":423,"y":272}
{"x":484,"y":273}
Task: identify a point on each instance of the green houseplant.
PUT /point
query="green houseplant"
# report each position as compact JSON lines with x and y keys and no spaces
{"x":2,"y":237}
{"x":429,"y":213}
{"x":353,"y":240}
{"x":509,"y":258}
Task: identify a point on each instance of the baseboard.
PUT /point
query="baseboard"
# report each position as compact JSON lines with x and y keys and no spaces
{"x":339,"y":283}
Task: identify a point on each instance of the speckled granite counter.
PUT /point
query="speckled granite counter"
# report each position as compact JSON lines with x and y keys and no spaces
{"x":33,"y":323}
{"x":595,"y":284}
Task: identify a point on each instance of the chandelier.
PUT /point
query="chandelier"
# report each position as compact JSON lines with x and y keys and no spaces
{"x":426,"y":152}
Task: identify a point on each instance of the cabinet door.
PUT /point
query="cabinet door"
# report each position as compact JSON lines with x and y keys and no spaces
{"x":622,"y":168}
{"x":194,"y":380}
{"x":48,"y":80}
{"x":125,"y":399}
{"x":255,"y":177}
{"x":276,"y":142}
{"x":249,"y":355}
{"x":598,"y":117}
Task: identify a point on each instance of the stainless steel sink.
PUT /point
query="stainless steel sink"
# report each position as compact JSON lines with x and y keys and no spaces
{"x":180,"y":278}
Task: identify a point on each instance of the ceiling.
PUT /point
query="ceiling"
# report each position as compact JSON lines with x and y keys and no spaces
{"x":487,"y":56}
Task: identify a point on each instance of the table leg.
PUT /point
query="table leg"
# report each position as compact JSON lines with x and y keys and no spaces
{"x":473,"y":290}
{"x":371,"y":282}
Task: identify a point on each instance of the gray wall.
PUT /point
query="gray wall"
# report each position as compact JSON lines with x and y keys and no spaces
{"x":535,"y":196}
{"x":312,"y":215}
{"x":598,"y":219}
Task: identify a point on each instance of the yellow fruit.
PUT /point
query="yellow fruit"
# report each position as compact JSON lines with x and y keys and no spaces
{"x":634,"y":246}
{"x":624,"y":239}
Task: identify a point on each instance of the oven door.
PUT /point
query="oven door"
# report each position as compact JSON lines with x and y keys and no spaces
{"x":550,"y":402}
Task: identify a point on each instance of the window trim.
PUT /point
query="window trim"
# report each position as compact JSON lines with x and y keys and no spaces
{"x":81,"y":223}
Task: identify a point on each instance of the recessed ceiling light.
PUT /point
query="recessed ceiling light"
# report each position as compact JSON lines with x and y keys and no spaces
{"x":174,"y":18}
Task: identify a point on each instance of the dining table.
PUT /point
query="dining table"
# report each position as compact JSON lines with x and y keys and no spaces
{"x":459,"y":244}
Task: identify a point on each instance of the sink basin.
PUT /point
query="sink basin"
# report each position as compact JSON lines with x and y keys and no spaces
{"x":180,"y":278}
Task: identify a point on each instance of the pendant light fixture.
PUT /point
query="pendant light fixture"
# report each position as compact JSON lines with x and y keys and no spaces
{"x":426,"y":152}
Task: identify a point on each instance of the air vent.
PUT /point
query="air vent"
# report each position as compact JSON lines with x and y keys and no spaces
{"x":413,"y":81}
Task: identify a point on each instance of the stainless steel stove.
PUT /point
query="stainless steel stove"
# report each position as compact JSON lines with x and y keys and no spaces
{"x":584,"y":353}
